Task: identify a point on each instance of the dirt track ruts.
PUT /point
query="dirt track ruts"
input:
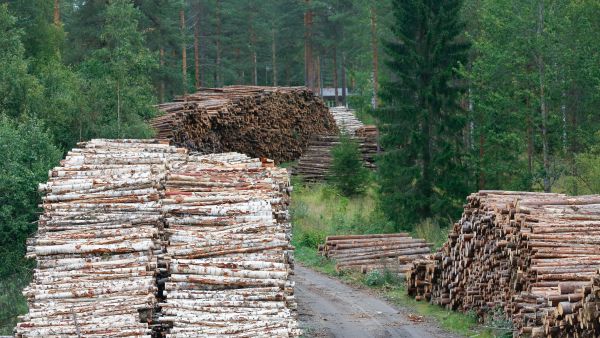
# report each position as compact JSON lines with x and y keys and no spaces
{"x":330,"y":308}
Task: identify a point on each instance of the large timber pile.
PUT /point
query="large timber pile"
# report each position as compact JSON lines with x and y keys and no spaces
{"x":139,"y":238}
{"x":229,"y":254}
{"x":97,"y":243}
{"x":533,"y":255}
{"x":271,"y":122}
{"x":365,"y":253}
{"x":315,"y":163}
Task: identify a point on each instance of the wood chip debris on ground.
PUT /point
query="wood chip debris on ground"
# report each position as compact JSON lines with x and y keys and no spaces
{"x":534,"y":256}
{"x":139,"y":238}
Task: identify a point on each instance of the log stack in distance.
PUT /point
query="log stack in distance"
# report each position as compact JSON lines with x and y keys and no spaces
{"x":365,"y":253}
{"x":140,"y":239}
{"x":270,"y":122}
{"x":534,"y":256}
{"x":315,"y":163}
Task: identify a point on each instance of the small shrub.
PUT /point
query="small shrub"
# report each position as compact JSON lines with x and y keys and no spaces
{"x":374,"y":278}
{"x":311,"y":238}
{"x":347,"y":171}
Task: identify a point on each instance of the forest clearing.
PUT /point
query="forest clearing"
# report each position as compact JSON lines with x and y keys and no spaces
{"x":299,"y":168}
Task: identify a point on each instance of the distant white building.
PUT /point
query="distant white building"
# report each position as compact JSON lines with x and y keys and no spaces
{"x":328,"y":95}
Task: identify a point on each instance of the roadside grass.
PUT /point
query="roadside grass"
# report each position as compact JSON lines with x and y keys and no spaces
{"x":319,"y":211}
{"x":392,"y":289}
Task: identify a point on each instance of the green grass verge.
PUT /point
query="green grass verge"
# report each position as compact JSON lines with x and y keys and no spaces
{"x":394,"y":292}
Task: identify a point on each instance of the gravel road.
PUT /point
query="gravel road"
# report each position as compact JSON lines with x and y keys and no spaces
{"x":330,"y":308}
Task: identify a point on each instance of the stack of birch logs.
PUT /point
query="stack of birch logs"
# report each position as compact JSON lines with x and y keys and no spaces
{"x":229,"y":253}
{"x":315,"y":163}
{"x":271,"y":122}
{"x":365,"y":253}
{"x":533,"y":255}
{"x":97,"y":243}
{"x":139,"y":238}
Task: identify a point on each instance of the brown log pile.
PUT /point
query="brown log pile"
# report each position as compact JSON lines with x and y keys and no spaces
{"x":315,"y":163}
{"x":140,"y":239}
{"x":270,"y":122}
{"x":229,"y":254}
{"x":533,"y":255}
{"x":365,"y":253}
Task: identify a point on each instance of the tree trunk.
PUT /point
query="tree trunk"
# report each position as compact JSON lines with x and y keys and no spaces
{"x":543,"y":108}
{"x":57,"y":13}
{"x":481,"y":155}
{"x":335,"y":77}
{"x":238,"y":62}
{"x":274,"y":54}
{"x":318,"y":75}
{"x":197,"y":48}
{"x":183,"y":51}
{"x":218,"y":40}
{"x":118,"y":110}
{"x":308,"y":57}
{"x":375,"y":56}
{"x":255,"y":65}
{"x":529,"y":145}
{"x":161,"y":89}
{"x":287,"y":74}
{"x":344,"y":83}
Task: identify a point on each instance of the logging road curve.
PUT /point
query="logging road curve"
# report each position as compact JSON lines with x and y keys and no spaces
{"x":330,"y":308}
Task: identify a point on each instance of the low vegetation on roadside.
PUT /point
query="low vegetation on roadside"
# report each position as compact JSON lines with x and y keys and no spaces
{"x":320,"y":210}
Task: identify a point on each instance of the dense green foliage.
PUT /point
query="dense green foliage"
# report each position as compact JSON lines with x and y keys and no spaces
{"x":347,"y":171}
{"x":518,"y":112}
{"x":424,"y":170}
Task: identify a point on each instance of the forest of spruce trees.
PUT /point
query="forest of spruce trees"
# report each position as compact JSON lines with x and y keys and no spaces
{"x":468,"y":94}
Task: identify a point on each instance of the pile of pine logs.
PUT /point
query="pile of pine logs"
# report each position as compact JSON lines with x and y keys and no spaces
{"x":533,"y":255}
{"x":228,"y":255}
{"x":271,"y":122}
{"x":138,"y":238}
{"x":365,"y":253}
{"x":97,"y":243}
{"x":315,"y":163}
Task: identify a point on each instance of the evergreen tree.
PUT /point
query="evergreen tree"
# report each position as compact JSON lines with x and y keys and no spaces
{"x":117,"y":77}
{"x":347,"y":171}
{"x":423,"y":169}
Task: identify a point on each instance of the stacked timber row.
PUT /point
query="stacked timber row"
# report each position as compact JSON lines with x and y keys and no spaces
{"x":271,"y":122}
{"x":315,"y":163}
{"x":97,"y":242}
{"x":139,"y":238}
{"x":525,"y":253}
{"x":577,"y":316}
{"x":365,"y":253}
{"x":229,"y":254}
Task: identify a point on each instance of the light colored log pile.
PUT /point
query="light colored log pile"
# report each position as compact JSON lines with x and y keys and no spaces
{"x":270,"y":122}
{"x":365,"y":253}
{"x":97,"y":243}
{"x":140,"y":239}
{"x":527,"y":253}
{"x":229,"y":254}
{"x":315,"y":163}
{"x":346,"y":120}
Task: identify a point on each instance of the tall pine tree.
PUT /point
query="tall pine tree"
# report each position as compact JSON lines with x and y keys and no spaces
{"x":423,"y":170}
